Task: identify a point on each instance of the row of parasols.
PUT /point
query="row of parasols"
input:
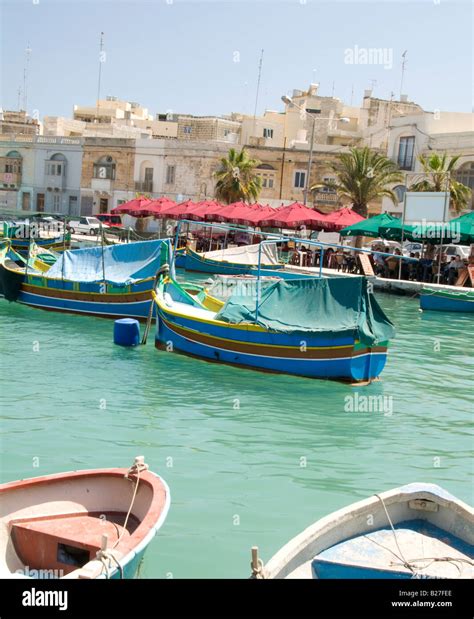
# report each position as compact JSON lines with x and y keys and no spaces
{"x":293,"y":216}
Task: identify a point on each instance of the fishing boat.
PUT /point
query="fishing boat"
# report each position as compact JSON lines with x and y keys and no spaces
{"x":461,"y":300}
{"x":113,"y":282}
{"x":233,"y":260}
{"x":83,"y":524}
{"x":416,"y":531}
{"x":57,"y":244}
{"x":315,"y":327}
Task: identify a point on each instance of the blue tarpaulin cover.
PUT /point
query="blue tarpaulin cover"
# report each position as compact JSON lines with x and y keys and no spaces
{"x":311,"y":305}
{"x":122,"y":264}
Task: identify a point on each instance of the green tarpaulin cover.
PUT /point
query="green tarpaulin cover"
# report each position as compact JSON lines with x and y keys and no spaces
{"x":324,"y":306}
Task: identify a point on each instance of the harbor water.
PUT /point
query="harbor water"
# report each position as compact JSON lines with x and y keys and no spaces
{"x":251,"y":458}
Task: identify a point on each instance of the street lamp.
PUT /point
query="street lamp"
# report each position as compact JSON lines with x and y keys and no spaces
{"x":289,"y":101}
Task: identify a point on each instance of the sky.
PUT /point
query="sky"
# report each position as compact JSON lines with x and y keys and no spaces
{"x":202,"y":56}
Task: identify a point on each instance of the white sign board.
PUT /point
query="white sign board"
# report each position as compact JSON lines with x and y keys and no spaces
{"x":426,"y":206}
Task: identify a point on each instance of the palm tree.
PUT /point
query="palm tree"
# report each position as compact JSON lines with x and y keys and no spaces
{"x":362,"y":176}
{"x":237,"y":179}
{"x":439,"y":171}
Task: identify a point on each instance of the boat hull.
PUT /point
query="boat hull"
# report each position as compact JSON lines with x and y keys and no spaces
{"x":96,"y":299}
{"x":338,"y":358}
{"x":446,"y":303}
{"x":197,"y":262}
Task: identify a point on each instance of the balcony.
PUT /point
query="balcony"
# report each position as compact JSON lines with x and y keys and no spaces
{"x":102,"y":184}
{"x":10,"y":180}
{"x":55,"y":181}
{"x":144,"y":186}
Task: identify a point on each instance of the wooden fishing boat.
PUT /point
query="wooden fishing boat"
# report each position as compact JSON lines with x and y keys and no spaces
{"x":461,"y":300}
{"x":57,"y":244}
{"x":416,"y":531}
{"x":111,"y":282}
{"x":232,"y":261}
{"x":320,"y":328}
{"x":83,"y":524}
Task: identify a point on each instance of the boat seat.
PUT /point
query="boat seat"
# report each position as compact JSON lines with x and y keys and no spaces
{"x":65,"y":543}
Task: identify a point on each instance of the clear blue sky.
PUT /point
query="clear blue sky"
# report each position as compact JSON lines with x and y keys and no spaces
{"x":180,"y":56}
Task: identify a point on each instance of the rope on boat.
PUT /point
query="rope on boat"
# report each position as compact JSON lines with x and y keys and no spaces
{"x":404,"y":561}
{"x":104,"y":555}
{"x":409,"y":564}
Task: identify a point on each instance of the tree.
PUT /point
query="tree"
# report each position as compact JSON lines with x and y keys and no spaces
{"x":439,"y":171}
{"x":362,"y":175}
{"x":237,"y":179}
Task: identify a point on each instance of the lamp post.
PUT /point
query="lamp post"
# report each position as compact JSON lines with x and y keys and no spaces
{"x":289,"y":101}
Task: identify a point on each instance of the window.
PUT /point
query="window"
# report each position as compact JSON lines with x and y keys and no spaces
{"x":188,"y":129}
{"x":13,"y":167}
{"x":405,"y":153}
{"x":399,"y":191}
{"x":54,"y":169}
{"x":328,"y":179}
{"x":268,"y":133}
{"x":73,"y":205}
{"x":300,"y":180}
{"x":105,"y":168}
{"x":170,"y":174}
{"x":56,"y":203}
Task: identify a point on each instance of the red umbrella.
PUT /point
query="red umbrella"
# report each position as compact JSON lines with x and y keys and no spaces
{"x":337,"y":220}
{"x":264,"y":211}
{"x":204,"y":208}
{"x":294,"y":216}
{"x":179,"y":211}
{"x":130,"y":207}
{"x":157,"y":208}
{"x":235,"y":211}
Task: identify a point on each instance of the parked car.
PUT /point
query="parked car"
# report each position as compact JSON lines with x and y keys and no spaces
{"x":412,"y":248}
{"x":86,"y":225}
{"x":462,"y":251}
{"x":114,"y":221}
{"x":377,"y":243}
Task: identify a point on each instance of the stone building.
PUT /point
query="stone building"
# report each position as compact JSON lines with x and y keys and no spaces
{"x":107,"y":173}
{"x":18,"y":123}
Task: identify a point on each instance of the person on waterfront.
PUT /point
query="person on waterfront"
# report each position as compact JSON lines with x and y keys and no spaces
{"x":379,"y":262}
{"x":453,"y":269}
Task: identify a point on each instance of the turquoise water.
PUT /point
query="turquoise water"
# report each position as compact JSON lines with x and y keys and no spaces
{"x":251,"y":458}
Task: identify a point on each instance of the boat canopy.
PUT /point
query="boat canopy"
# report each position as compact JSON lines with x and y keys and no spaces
{"x":121,"y":265}
{"x":247,"y":254}
{"x":310,"y":305}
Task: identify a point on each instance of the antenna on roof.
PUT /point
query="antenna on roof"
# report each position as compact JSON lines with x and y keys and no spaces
{"x":25,"y":76}
{"x":101,"y":60}
{"x":258,"y":87}
{"x":403,"y":72}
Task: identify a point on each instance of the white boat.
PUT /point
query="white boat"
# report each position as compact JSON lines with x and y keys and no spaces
{"x":416,"y":531}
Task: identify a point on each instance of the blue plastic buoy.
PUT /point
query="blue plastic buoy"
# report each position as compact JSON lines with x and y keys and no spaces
{"x":127,"y":332}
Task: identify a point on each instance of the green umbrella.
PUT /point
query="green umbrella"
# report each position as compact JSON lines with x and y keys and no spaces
{"x":370,"y":226}
{"x":466,"y":226}
{"x":395,"y":231}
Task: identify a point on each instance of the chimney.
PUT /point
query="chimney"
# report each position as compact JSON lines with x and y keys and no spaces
{"x":403,"y":98}
{"x":367,"y":93}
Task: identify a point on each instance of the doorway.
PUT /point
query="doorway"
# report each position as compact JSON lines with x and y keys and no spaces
{"x":103,"y":205}
{"x":40,"y":202}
